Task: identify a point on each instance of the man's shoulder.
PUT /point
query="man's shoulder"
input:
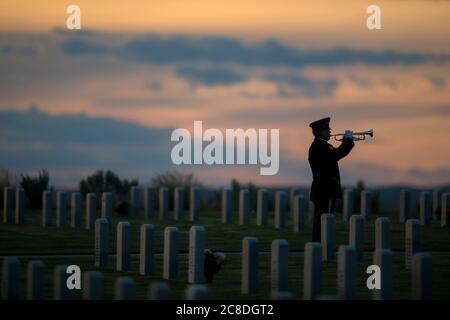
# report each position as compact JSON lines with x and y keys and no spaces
{"x":319,"y":149}
{"x":319,"y":144}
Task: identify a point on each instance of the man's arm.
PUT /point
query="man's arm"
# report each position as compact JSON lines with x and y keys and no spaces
{"x":344,"y":149}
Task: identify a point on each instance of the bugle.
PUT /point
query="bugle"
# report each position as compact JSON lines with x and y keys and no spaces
{"x":356,"y":136}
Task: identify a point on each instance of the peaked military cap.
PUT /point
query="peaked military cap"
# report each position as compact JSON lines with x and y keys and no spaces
{"x":320,"y":124}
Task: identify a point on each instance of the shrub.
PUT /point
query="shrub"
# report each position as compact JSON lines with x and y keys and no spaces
{"x":236,"y":186}
{"x":34,"y":186}
{"x":374,"y":200}
{"x":108,"y":181}
{"x":173,"y":179}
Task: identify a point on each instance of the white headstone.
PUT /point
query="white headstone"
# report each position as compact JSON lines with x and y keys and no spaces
{"x":383,"y":259}
{"x":8,"y":204}
{"x":20,"y":206}
{"x":436,"y":205}
{"x":227,"y":206}
{"x":124,"y":289}
{"x":194,"y":212}
{"x":444,"y":208}
{"x":61,"y":208}
{"x":196,"y":292}
{"x":279,"y":266}
{"x":293,"y":192}
{"x":91,"y":210}
{"x":425,"y":208}
{"x":196,"y":254}
{"x":149,"y":203}
{"x":75,"y":210}
{"x":280,"y":210}
{"x":250,"y":265}
{"x":366,"y":201}
{"x":356,"y":235}
{"x":299,"y":213}
{"x":163,"y":203}
{"x":405,"y":205}
{"x":244,"y":206}
{"x":347,"y":204}
{"x":35,"y":280}
{"x":421,"y":276}
{"x":107,"y":206}
{"x":101,"y":242}
{"x":179,"y":203}
{"x":159,"y":291}
{"x":92,"y":285}
{"x":123,"y":246}
{"x":312,"y":270}
{"x":347,"y":271}
{"x":170,"y":267}
{"x":328,"y":236}
{"x":10,"y":278}
{"x":134,"y":201}
{"x":412,"y":240}
{"x":382,"y":233}
{"x":146,"y":254}
{"x":261,"y":208}
{"x":46,"y":208}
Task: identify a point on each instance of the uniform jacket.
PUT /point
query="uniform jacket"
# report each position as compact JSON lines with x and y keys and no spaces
{"x":323,"y":159}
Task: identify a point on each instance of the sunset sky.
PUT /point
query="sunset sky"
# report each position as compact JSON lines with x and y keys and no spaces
{"x":108,"y":96}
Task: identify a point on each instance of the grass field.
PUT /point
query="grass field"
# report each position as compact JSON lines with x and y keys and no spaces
{"x":32,"y":239}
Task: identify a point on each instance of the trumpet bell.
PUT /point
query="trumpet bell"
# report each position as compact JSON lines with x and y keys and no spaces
{"x":368,"y":133}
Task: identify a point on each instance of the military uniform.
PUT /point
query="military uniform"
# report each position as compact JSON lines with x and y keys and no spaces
{"x":326,"y":186}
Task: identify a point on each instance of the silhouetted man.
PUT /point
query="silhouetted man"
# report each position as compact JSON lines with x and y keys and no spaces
{"x":323,"y":159}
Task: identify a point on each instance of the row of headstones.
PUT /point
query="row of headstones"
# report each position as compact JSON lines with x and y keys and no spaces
{"x":297,"y":205}
{"x":419,"y":262}
{"x":428,"y":208}
{"x":428,"y":205}
{"x":75,"y":208}
{"x":348,"y":257}
{"x":196,"y":246}
{"x":356,"y":236}
{"x":179,"y":208}
{"x":196,"y":243}
{"x":61,"y":207}
{"x":296,"y":201}
{"x":146,"y":249}
{"x":92,"y":286}
{"x":91,"y":206}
